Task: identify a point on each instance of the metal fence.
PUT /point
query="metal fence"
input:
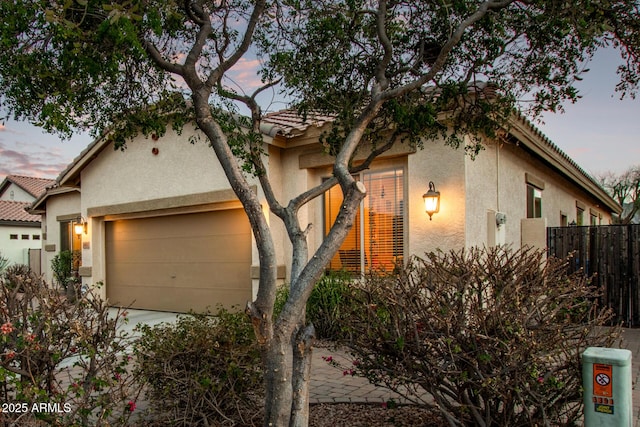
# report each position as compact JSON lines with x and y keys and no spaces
{"x":609,"y":253}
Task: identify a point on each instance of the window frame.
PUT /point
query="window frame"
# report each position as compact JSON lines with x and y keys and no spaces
{"x":534,"y":210}
{"x":69,"y":241}
{"x":593,"y":217}
{"x":364,"y":263}
{"x":564,"y":219}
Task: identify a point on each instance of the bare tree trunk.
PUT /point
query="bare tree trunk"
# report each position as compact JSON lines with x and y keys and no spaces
{"x":301,"y":375}
{"x":277,"y":378}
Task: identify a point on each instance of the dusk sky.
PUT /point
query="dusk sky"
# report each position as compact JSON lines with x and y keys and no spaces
{"x":601,"y":132}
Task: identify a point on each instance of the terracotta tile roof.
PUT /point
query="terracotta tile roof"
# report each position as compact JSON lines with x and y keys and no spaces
{"x":33,"y":186}
{"x":14,"y":211}
{"x":289,"y":122}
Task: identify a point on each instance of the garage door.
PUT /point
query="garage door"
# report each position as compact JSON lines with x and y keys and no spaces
{"x":179,"y":262}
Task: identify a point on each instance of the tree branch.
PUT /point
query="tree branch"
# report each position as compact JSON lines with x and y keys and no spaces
{"x":376,"y":152}
{"x":272,"y":201}
{"x":304,"y":198}
{"x":453,"y":40}
{"x":160,"y":61}
{"x":224,"y":66}
{"x":381,"y":68}
{"x":198,"y":20}
{"x":201,"y":39}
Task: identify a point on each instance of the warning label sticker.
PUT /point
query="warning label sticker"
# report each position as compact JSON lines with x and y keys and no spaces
{"x":604,"y":409}
{"x":602,"y":375}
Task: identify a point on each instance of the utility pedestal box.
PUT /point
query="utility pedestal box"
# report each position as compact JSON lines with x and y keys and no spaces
{"x":606,"y":378}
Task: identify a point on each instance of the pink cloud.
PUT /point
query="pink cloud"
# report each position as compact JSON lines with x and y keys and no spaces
{"x":244,"y":75}
{"x":39,"y":162}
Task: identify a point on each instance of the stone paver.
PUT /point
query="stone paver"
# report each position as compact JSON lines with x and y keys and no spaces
{"x":330,"y":384}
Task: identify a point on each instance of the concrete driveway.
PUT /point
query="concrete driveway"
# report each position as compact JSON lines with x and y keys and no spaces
{"x":144,"y":317}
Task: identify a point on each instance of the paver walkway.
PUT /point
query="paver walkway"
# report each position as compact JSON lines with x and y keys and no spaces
{"x":330,"y":384}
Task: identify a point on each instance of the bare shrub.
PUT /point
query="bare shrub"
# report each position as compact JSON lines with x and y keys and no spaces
{"x":494,"y":336}
{"x":203,"y":370}
{"x":62,"y":362}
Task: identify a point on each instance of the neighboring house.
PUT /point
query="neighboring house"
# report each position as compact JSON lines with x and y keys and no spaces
{"x":19,"y":230}
{"x":164,"y":231}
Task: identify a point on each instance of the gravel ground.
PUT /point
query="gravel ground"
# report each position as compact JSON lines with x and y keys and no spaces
{"x":367,"y":415}
{"x":341,"y":415}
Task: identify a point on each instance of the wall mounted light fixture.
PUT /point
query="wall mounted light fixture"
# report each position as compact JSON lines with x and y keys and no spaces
{"x":431,"y":200}
{"x":80,"y":226}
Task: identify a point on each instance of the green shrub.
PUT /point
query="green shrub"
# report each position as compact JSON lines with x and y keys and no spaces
{"x":62,"y":267}
{"x":494,"y":336}
{"x":325,"y":307}
{"x":202,"y":370}
{"x":282,"y":293}
{"x":66,"y":355}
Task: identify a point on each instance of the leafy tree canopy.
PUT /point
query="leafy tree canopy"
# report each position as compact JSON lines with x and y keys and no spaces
{"x":94,"y":64}
{"x":340,"y":56}
{"x":91,"y":63}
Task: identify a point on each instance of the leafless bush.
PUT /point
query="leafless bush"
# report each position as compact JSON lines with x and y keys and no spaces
{"x":494,"y":336}
{"x":203,"y":370}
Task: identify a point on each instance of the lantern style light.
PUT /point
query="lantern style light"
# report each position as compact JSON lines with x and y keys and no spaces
{"x":80,"y":226}
{"x":431,"y":200}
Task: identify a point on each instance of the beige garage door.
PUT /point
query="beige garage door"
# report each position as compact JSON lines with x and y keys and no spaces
{"x":179,"y":262}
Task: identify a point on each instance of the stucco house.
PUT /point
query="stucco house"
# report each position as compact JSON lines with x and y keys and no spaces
{"x":162,"y":230}
{"x":20,"y":230}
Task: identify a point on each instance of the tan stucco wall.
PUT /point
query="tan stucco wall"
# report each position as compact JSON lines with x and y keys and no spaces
{"x":58,"y":205}
{"x":482,"y":196}
{"x":136,"y":174}
{"x":496,"y":181}
{"x":445,"y":167}
{"x":437,"y":162}
{"x":471,"y":191}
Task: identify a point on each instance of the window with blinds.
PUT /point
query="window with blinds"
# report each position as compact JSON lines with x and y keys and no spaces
{"x":376,"y":241}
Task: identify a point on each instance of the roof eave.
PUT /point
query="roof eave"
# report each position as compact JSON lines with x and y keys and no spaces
{"x":39,"y":207}
{"x":548,"y":151}
{"x":20,"y":223}
{"x":70,"y":177}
